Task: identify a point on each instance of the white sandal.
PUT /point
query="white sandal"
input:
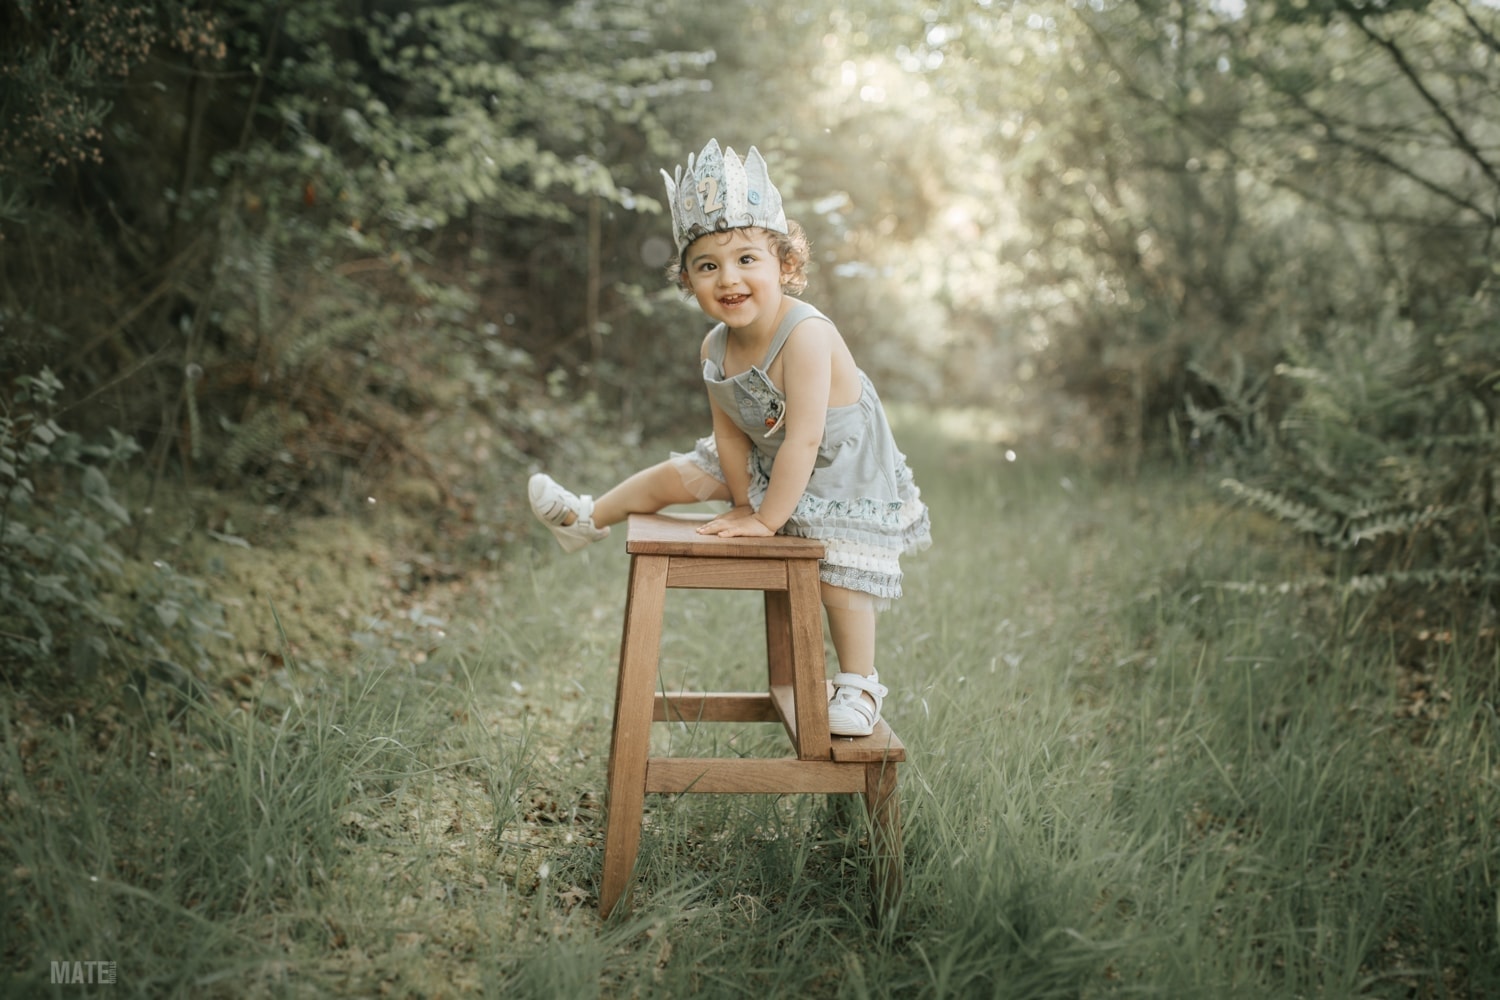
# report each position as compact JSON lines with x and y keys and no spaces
{"x":848,"y":712}
{"x":552,"y":504}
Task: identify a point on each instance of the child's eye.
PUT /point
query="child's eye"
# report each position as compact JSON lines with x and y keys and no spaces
{"x":748,"y":258}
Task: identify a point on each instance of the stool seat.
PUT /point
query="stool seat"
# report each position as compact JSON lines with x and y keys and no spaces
{"x":667,"y":552}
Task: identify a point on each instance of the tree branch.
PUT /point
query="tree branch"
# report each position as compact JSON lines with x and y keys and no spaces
{"x":1390,"y":163}
{"x":1490,"y":41}
{"x":1333,"y":127}
{"x":1407,"y":70}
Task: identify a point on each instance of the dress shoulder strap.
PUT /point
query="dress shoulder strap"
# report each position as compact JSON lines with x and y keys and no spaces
{"x":718,"y":344}
{"x":799,"y":312}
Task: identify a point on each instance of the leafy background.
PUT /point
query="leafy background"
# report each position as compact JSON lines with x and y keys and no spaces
{"x":314,"y":252}
{"x":277,"y":279}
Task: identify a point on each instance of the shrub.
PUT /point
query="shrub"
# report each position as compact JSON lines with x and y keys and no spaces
{"x":1384,"y":455}
{"x":70,"y":601}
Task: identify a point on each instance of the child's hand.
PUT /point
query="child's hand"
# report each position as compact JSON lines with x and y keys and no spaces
{"x":740,"y":522}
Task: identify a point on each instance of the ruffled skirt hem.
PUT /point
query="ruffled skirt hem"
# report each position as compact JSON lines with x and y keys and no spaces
{"x":864,"y":538}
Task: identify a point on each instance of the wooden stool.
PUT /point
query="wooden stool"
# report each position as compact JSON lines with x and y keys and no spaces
{"x":668,"y":552}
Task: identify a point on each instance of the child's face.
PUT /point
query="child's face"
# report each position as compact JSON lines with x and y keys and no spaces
{"x":735,"y":276}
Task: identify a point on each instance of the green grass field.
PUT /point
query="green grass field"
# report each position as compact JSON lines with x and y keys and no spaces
{"x":1124,"y":779}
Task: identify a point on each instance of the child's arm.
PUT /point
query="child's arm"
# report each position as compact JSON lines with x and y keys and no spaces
{"x":734,"y":459}
{"x":807,"y":378}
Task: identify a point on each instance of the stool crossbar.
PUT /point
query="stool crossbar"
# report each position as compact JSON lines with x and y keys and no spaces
{"x":667,"y":552}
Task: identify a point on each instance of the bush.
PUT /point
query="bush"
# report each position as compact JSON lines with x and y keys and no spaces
{"x":70,"y":601}
{"x":1383,"y":456}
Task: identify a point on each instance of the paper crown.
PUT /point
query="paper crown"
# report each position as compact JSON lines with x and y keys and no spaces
{"x":718,"y":191}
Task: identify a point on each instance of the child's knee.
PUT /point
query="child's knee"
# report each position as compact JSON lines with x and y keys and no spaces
{"x":694,"y":481}
{"x":844,"y":599}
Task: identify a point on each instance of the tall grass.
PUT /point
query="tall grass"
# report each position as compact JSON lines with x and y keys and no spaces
{"x":1124,"y":779}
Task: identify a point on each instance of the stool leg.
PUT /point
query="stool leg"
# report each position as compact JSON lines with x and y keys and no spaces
{"x":778,"y":637}
{"x":629,"y":745}
{"x":884,"y":805}
{"x":809,"y":670}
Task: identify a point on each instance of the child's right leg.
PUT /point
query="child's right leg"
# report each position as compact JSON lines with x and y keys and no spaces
{"x":578,"y":520}
{"x":665,"y":484}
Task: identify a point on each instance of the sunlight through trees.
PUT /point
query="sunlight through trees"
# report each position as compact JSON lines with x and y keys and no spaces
{"x":289,"y":235}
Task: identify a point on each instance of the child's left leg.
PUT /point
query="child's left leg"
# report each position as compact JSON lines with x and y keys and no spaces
{"x":858,"y":693}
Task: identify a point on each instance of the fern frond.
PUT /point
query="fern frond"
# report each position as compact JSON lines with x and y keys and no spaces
{"x":316,"y":334}
{"x":1341,"y":505}
{"x":1294,"y":588}
{"x":1372,"y":583}
{"x":1238,"y":412}
{"x":1405,"y":522}
{"x":1304,"y":517}
{"x":262,"y":267}
{"x":259,"y":438}
{"x":1479,"y":444}
{"x":1375,"y":508}
{"x":1364,"y":584}
{"x":1305,"y":374}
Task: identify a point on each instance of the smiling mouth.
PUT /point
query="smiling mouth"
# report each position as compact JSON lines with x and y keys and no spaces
{"x":733,"y":300}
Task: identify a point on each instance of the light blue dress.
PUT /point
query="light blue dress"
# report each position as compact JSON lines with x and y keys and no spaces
{"x":861,"y":501}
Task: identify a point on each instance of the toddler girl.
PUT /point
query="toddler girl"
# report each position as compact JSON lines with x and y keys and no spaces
{"x":800,"y":442}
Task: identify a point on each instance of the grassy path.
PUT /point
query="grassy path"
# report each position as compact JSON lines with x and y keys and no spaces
{"x":1125,"y":780}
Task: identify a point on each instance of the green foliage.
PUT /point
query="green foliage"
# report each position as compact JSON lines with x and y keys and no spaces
{"x":363,"y":241}
{"x":54,"y":559}
{"x":71,"y":603}
{"x":414,"y":119}
{"x":337,"y":219}
{"x":61,"y":64}
{"x":1386,"y":453}
{"x":414,"y":223}
{"x":1192,"y":182}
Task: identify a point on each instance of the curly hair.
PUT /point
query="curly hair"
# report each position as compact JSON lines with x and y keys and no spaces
{"x":791,"y":248}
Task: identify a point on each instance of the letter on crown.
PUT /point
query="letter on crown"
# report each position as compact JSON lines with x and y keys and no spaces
{"x":717,"y":191}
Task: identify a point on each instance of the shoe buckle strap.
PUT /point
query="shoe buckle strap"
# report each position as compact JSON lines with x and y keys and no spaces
{"x":869,"y":685}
